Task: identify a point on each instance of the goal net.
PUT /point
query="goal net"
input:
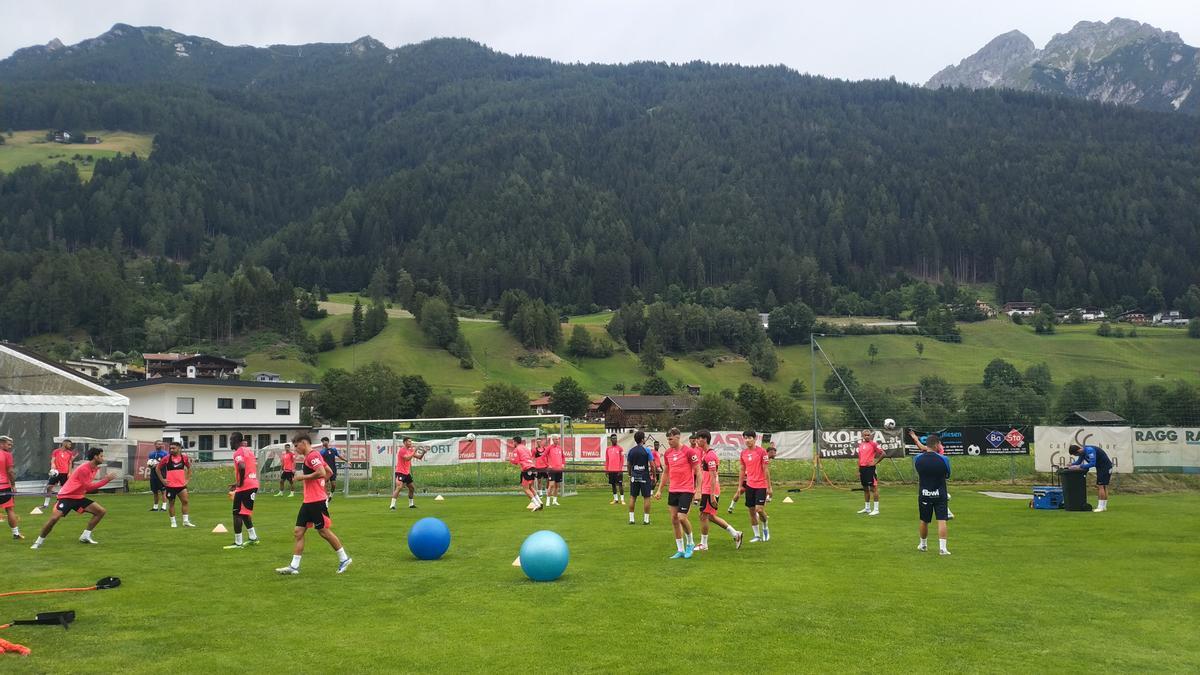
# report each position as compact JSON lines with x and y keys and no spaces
{"x":455,"y":455}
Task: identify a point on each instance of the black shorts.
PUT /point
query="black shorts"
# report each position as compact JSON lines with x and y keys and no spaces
{"x":709,"y":504}
{"x":555,"y":476}
{"x":156,"y":484}
{"x":755,"y":497}
{"x":314,"y":515}
{"x":61,"y":479}
{"x":243,"y":502}
{"x":680,"y":500}
{"x":172,"y":493}
{"x":543,"y":474}
{"x":639,"y":488}
{"x":405,"y":478}
{"x":929,"y":508}
{"x":615,"y":477}
{"x":289,"y":476}
{"x":866,"y":476}
{"x":528,"y":476}
{"x":6,"y":498}
{"x":1102,"y":477}
{"x":66,"y":506}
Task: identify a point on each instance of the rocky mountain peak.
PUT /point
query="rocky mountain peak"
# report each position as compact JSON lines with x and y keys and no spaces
{"x":996,"y":61}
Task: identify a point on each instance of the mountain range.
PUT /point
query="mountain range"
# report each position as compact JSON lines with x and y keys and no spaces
{"x":1122,"y":61}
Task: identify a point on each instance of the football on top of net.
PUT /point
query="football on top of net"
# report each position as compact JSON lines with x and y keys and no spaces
{"x":889,"y":423}
{"x":470,"y":437}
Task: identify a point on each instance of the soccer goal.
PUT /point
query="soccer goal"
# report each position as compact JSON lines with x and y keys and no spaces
{"x":455,"y":455}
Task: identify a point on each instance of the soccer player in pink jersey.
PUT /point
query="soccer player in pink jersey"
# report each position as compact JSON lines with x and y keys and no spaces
{"x":869,"y":454}
{"x":61,"y":460}
{"x":710,"y":492}
{"x":245,"y":489}
{"x":287,"y":474}
{"x":404,"y":458}
{"x":555,"y":465}
{"x":8,"y":486}
{"x":540,"y":464}
{"x":522,"y":457}
{"x":73,"y":497}
{"x":314,"y":512}
{"x":754,"y":473}
{"x":614,"y":465}
{"x":683,"y":475}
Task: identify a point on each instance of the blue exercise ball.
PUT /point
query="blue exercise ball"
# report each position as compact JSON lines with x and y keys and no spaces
{"x":429,"y":539}
{"x":544,"y":556}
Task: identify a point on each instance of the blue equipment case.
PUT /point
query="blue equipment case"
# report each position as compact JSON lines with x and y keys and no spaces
{"x":1047,"y":497}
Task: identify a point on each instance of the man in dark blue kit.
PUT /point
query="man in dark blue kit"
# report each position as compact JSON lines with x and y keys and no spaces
{"x":1089,"y":456}
{"x":932,"y":471}
{"x":641,"y":482}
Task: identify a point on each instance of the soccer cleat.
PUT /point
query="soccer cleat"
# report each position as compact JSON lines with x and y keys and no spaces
{"x":632,"y":523}
{"x":35,"y":546}
{"x":287,"y":570}
{"x":766,"y":534}
{"x":412,"y":506}
{"x":153,"y":508}
{"x":700,"y":547}
{"x":174,"y":524}
{"x":687,"y":550}
{"x":737,"y":540}
{"x":291,"y":494}
{"x":949,"y":515}
{"x":614,"y":501}
{"x":87,"y":540}
{"x":344,"y":564}
{"x":188,"y":523}
{"x":232,"y":547}
{"x":874,"y":513}
{"x":730,"y":509}
{"x":922,"y":548}
{"x":253,"y":542}
{"x":392,"y":508}
{"x":539,"y":507}
{"x":944,"y":552}
{"x":678,"y":554}
{"x":18,"y":537}
{"x":864,"y":509}
{"x":755,"y":540}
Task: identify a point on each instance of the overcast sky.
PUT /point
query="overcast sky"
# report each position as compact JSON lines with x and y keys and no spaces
{"x":908,"y":39}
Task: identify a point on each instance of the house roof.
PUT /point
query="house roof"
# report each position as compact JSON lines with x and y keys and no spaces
{"x":139,"y":422}
{"x":538,"y":402}
{"x":167,"y":356}
{"x":212,"y":382}
{"x":649,"y":403}
{"x":1097,"y":416}
{"x":52,"y":364}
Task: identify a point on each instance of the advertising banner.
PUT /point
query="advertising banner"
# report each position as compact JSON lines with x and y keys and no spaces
{"x":974,"y":441}
{"x":1166,"y":450}
{"x":1050,"y":452}
{"x":843,"y":443}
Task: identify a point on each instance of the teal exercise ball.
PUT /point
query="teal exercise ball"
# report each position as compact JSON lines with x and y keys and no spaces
{"x":544,"y":556}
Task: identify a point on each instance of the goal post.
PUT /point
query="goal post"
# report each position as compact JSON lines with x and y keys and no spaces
{"x":452,"y":462}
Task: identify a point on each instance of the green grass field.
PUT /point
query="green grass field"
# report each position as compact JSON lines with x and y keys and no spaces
{"x":31,"y":147}
{"x":832,"y":591}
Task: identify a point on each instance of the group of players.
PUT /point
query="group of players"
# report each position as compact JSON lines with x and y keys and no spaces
{"x":690,"y":473}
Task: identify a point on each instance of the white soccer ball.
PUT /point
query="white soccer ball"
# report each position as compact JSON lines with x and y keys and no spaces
{"x":470,"y":437}
{"x":54,"y":473}
{"x":889,"y":424}
{"x":152,"y":462}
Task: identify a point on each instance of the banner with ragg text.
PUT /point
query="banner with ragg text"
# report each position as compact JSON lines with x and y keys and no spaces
{"x":1166,"y":450}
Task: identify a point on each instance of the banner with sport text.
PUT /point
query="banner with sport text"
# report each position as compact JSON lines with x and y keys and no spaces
{"x":576,"y":448}
{"x":843,"y":443}
{"x":976,"y":440}
{"x":1050,"y":451}
{"x":1166,"y":450}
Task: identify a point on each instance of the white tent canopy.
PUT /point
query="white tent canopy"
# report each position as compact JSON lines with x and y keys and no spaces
{"x":41,"y":401}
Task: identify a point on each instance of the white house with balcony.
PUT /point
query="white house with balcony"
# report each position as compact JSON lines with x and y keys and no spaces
{"x":202,"y":413}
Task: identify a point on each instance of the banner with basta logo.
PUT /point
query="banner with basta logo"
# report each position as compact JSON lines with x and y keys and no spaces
{"x":974,"y":441}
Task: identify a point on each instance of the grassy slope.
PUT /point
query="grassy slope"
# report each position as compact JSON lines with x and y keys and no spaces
{"x":30,"y":147}
{"x":1074,"y":351}
{"x":1000,"y":603}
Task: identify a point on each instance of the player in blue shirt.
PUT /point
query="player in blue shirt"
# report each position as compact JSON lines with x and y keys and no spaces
{"x":156,"y":486}
{"x":641,"y":476}
{"x":1089,"y":456}
{"x":932,"y":471}
{"x":332,"y":456}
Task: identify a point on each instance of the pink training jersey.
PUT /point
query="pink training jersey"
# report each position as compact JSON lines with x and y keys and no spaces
{"x":708,"y":486}
{"x":540,"y":460}
{"x":681,"y":464}
{"x":61,"y":459}
{"x":614,"y":458}
{"x":314,"y":489}
{"x":404,"y":460}
{"x":243,"y":458}
{"x":289,"y":461}
{"x":6,"y":465}
{"x":754,"y":462}
{"x":866,"y":453}
{"x":82,"y":482}
{"x":522,"y":457}
{"x":554,"y":458}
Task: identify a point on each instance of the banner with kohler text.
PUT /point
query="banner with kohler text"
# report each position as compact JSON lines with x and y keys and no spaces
{"x":843,"y":443}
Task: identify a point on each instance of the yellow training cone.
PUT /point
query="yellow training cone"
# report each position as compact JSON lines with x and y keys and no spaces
{"x":788,"y":500}
{"x":517,"y":562}
{"x":439,"y":498}
{"x":37,"y":511}
{"x":220,"y":529}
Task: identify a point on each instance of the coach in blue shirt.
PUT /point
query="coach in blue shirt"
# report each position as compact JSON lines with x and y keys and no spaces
{"x":1087,"y":457}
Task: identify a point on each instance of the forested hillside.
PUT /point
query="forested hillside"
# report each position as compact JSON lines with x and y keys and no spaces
{"x":477,"y":172}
